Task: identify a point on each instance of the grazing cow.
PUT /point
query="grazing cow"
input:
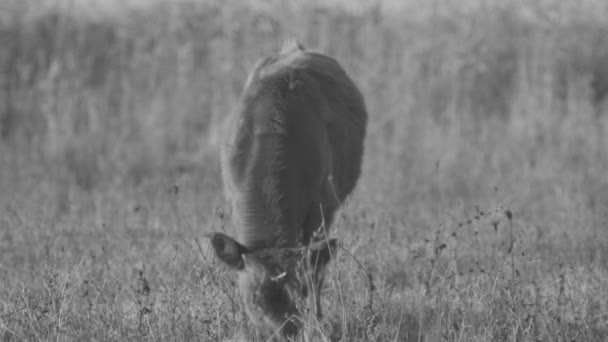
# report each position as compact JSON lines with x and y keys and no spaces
{"x":291,"y":154}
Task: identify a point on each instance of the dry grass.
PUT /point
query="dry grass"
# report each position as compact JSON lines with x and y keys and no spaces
{"x":481,"y":214}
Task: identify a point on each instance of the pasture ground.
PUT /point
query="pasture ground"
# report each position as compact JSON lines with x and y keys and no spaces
{"x":481,"y":214}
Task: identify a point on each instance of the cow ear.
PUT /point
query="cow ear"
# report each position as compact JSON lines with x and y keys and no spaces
{"x":228,"y":250}
{"x":321,"y":252}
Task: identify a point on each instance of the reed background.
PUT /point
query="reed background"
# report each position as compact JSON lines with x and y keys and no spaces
{"x":481,"y":213}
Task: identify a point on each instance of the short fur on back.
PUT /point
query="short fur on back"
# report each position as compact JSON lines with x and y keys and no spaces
{"x":294,"y":147}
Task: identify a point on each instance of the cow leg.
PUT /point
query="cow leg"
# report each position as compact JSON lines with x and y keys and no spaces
{"x":313,"y":227}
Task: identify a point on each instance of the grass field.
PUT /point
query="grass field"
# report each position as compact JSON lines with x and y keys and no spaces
{"x":481,"y":213}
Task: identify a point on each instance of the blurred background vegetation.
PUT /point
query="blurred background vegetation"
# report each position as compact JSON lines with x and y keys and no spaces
{"x":474,"y":105}
{"x":469,"y":103}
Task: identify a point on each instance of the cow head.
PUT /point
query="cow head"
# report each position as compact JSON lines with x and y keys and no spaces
{"x":274,"y":282}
